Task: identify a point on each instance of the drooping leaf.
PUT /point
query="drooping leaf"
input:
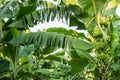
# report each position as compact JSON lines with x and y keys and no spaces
{"x":27,"y":15}
{"x":51,"y":39}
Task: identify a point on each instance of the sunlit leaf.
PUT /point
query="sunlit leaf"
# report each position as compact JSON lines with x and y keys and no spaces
{"x":90,"y":6}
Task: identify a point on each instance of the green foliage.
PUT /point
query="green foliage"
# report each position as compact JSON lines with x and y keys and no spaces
{"x":4,"y":65}
{"x":28,"y":55}
{"x":50,"y":39}
{"x":92,"y":7}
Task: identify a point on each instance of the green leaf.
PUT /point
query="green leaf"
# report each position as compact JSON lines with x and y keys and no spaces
{"x":26,"y":50}
{"x":110,"y":12}
{"x":86,"y":55}
{"x":4,"y":65}
{"x":47,"y":71}
{"x":25,"y":10}
{"x":62,"y":31}
{"x":24,"y":59}
{"x":115,"y":67}
{"x":116,"y":24}
{"x":81,"y":44}
{"x":77,"y":64}
{"x":51,"y":39}
{"x":30,"y":20}
{"x":74,"y":21}
{"x":53,"y":57}
{"x":79,"y":60}
{"x":35,"y":16}
{"x":5,"y":8}
{"x":114,"y":42}
{"x":17,"y":24}
{"x":75,"y":9}
{"x":10,"y":51}
{"x":13,"y":32}
{"x":87,"y":5}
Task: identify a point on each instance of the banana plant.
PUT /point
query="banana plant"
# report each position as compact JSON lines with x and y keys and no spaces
{"x":17,"y":16}
{"x":31,"y":55}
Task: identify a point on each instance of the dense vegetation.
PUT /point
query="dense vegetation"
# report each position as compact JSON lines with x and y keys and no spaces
{"x":26,"y":55}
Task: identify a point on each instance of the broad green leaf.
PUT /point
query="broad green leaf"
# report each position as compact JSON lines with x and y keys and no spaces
{"x":53,"y":40}
{"x":81,"y":44}
{"x":29,"y":16}
{"x":79,"y":60}
{"x":25,"y":11}
{"x":85,"y":54}
{"x":17,"y":24}
{"x":77,"y":64}
{"x":92,"y":6}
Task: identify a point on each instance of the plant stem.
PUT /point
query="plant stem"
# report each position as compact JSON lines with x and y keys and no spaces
{"x":89,"y":21}
{"x":94,"y":6}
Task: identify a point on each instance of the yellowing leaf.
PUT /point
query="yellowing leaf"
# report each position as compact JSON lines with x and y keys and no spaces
{"x":111,"y":4}
{"x":75,"y":2}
